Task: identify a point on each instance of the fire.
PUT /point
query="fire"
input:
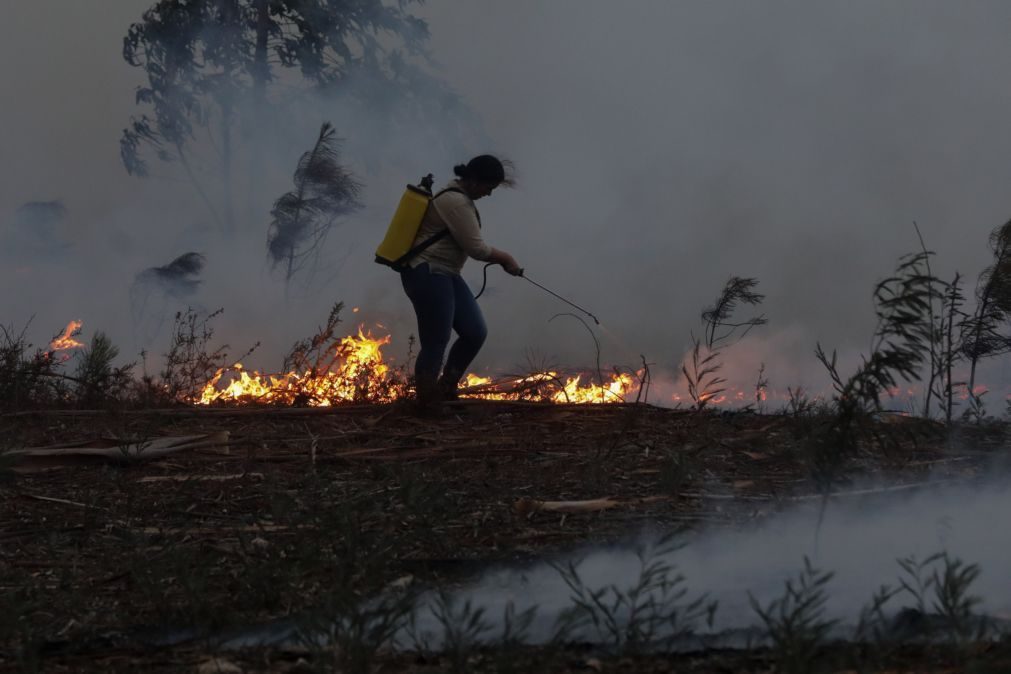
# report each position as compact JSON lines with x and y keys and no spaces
{"x":549,"y":386}
{"x":613,"y":391}
{"x":356,"y":372}
{"x":476,"y":380}
{"x":66,"y":339}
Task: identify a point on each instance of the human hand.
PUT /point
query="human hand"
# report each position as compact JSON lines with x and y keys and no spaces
{"x":512,"y":267}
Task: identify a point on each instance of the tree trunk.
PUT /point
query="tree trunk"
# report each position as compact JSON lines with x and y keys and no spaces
{"x":195,"y":182}
{"x":260,"y":73}
{"x":226,"y":166}
{"x":261,"y":69}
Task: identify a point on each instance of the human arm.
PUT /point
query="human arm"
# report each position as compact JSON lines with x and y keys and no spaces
{"x":462,"y":223}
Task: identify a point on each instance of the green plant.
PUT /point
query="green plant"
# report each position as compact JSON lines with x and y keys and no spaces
{"x":799,"y":402}
{"x":983,"y":331}
{"x":97,"y":379}
{"x":462,"y":626}
{"x":795,"y":622}
{"x":653,"y":613}
{"x":719,"y":331}
{"x":873,"y":637}
{"x":348,"y":632}
{"x":30,"y":376}
{"x":951,"y":351}
{"x":954,"y":603}
{"x":190,"y":361}
{"x":935,"y":327}
{"x":704,"y":382}
{"x":900,"y":342}
{"x":975,"y":411}
{"x":514,"y":635}
{"x":940,"y":585}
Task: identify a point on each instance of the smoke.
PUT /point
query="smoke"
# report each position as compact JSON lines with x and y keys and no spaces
{"x":660,"y":147}
{"x":860,"y":541}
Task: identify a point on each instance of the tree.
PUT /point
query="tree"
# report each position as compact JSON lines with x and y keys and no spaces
{"x":211,"y":66}
{"x":985,"y":332}
{"x":302,"y":218}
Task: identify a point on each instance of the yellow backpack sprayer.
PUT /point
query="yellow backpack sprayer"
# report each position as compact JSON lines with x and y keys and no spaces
{"x":396,"y":249}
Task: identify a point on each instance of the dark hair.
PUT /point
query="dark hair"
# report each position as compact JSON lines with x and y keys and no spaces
{"x":484,"y":169}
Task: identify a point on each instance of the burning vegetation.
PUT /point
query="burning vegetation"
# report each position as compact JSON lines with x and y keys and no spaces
{"x":325,"y":370}
{"x":926,"y":340}
{"x":328,"y":370}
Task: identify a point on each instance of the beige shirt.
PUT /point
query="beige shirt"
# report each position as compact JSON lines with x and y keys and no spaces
{"x":457,"y":213}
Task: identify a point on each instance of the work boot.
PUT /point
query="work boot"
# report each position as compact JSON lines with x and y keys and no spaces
{"x":428,"y":399}
{"x":449,"y":387}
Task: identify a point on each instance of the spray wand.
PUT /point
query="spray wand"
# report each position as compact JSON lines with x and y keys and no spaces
{"x":484,"y":284}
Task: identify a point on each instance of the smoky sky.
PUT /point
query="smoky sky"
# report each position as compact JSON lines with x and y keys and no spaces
{"x":660,"y":148}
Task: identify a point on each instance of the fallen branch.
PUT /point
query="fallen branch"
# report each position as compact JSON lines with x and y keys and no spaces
{"x":61,"y":501}
{"x":199,"y":478}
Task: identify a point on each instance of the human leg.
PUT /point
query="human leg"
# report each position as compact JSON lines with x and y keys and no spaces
{"x":468,"y":322}
{"x":433,"y":299}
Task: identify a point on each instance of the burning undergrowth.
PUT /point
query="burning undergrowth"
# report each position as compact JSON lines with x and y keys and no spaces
{"x":926,"y":339}
{"x":324,"y":370}
{"x":328,"y":369}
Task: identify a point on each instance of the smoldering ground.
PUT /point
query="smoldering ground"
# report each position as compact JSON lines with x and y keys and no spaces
{"x":883,"y":541}
{"x":861,"y":540}
{"x":661,"y":147}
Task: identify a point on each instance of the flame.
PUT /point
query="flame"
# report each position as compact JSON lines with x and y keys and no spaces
{"x":356,"y":371}
{"x":475,"y":380}
{"x":549,"y":386}
{"x":614,"y":391}
{"x":66,"y":340}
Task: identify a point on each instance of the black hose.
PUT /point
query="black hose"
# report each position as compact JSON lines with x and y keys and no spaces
{"x":484,"y":283}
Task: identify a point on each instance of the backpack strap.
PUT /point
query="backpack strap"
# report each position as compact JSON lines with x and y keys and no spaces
{"x":401,"y":262}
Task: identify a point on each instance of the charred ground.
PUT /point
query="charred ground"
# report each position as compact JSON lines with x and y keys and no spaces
{"x":306,"y":511}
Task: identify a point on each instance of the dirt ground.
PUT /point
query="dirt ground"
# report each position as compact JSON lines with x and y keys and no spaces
{"x":301,"y":509}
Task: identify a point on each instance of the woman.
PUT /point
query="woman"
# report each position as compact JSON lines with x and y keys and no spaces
{"x":442,"y":300}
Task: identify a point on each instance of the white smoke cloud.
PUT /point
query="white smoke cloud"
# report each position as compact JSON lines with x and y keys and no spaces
{"x":661,"y":147}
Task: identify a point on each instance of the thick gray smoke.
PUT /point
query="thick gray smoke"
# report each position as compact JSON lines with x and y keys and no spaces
{"x":661,"y":147}
{"x":860,"y":540}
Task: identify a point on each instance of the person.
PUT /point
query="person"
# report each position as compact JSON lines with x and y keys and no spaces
{"x":442,"y":300}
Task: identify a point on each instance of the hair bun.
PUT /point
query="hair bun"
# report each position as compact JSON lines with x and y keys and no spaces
{"x":460,"y":170}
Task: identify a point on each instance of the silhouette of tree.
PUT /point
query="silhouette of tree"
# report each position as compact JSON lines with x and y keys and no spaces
{"x":218,"y":67}
{"x":302,"y":218}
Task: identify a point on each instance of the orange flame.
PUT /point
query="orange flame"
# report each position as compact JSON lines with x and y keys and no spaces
{"x":357,"y":372}
{"x":66,"y":340}
{"x":549,"y":386}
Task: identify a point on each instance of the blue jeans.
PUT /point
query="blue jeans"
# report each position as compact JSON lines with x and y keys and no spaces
{"x":443,"y":302}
